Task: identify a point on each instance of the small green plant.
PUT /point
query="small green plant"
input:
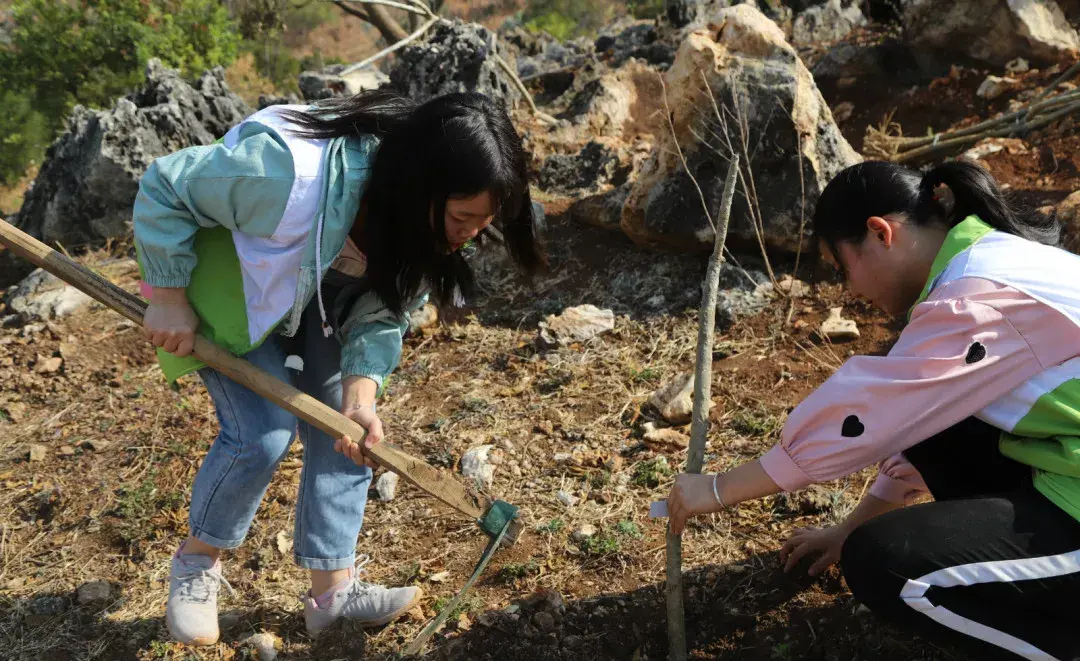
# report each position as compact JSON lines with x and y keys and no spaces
{"x":408,"y":572}
{"x":515,"y":571}
{"x":160,"y":650}
{"x":474,"y":407}
{"x":782,"y":651}
{"x":469,"y":605}
{"x":651,"y":473}
{"x":600,"y":479}
{"x":135,"y":504}
{"x":628,"y":528}
{"x":601,"y":544}
{"x":644,"y":375}
{"x":551,"y":527}
{"x":755,"y":423}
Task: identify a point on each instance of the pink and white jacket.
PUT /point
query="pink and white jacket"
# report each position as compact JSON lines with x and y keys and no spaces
{"x":1020,"y":302}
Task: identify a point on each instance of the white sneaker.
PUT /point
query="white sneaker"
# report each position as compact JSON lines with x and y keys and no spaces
{"x":369,"y":604}
{"x":191,"y":614}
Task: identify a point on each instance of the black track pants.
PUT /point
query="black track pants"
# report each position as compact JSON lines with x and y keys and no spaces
{"x":991,"y":567}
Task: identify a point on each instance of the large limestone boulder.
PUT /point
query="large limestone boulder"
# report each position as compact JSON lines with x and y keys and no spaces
{"x":88,"y":182}
{"x":993,"y":31}
{"x":454,"y":57}
{"x":754,"y":73}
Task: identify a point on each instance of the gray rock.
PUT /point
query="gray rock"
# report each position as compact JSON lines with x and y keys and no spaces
{"x":628,"y":38}
{"x":594,"y":166}
{"x":831,"y":21}
{"x":42,"y":295}
{"x":45,"y":607}
{"x":455,"y":57}
{"x":91,"y":173}
{"x":603,"y":210}
{"x":694,"y":14}
{"x":992,"y":31}
{"x":751,"y":62}
{"x":265,"y":101}
{"x":330,"y":82}
{"x":94,"y":592}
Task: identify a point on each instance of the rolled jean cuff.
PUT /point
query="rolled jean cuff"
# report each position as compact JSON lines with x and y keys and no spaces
{"x":216,"y":542}
{"x":325,"y":564}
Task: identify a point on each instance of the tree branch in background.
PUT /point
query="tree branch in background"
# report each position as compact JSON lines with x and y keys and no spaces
{"x":377,"y":15}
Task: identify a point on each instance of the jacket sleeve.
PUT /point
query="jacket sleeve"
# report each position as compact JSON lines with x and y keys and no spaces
{"x":954,"y":358}
{"x":244,"y":188}
{"x":373,"y":348}
{"x":898,"y":481}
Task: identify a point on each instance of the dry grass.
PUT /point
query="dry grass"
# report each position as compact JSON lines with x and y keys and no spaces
{"x":570,"y":420}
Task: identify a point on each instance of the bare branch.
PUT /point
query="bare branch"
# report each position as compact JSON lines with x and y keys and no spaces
{"x":390,"y":49}
{"x":378,"y":16}
{"x":509,"y":71}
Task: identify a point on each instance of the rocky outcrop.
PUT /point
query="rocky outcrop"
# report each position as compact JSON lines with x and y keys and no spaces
{"x":539,"y":53}
{"x":90,"y":176}
{"x":830,"y":21}
{"x":992,"y":31}
{"x":329,"y":82}
{"x":753,"y":74}
{"x":609,"y":104}
{"x":696,"y":14}
{"x":455,"y":57}
{"x":627,"y":39}
{"x":592,"y":167}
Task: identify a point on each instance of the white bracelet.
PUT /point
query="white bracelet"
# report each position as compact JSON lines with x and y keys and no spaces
{"x":716,"y":492}
{"x":356,"y":407}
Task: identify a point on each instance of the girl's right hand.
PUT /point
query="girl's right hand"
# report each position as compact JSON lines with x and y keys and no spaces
{"x":823,"y":542}
{"x":170,"y":322}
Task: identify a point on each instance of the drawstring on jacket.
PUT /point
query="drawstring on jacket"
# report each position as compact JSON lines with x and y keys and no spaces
{"x":326,"y":328}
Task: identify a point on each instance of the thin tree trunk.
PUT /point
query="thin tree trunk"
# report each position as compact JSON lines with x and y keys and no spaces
{"x":699,"y":429}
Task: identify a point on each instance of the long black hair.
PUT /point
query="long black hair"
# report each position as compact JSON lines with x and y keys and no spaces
{"x":877,"y":188}
{"x":456,"y":145}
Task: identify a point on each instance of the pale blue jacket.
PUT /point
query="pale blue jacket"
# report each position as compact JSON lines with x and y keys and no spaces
{"x":288,"y":203}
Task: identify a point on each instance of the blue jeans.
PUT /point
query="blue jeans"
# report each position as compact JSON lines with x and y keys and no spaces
{"x":255,"y":436}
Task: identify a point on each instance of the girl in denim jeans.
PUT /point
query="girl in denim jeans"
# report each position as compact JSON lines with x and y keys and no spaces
{"x":302,"y":240}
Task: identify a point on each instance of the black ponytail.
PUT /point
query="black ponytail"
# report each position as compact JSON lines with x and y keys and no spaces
{"x":879,"y":188}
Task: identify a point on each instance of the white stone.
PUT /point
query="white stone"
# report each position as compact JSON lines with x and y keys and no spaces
{"x":477,"y":464}
{"x":675,"y":401}
{"x":578,"y":324}
{"x":837,"y":328}
{"x":264,"y":645}
{"x":386,"y":485}
{"x":995,"y":86}
{"x":567,"y":498}
{"x":583,"y":532}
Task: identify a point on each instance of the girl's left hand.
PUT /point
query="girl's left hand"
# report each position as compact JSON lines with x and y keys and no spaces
{"x":692,"y":494}
{"x":366,"y":418}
